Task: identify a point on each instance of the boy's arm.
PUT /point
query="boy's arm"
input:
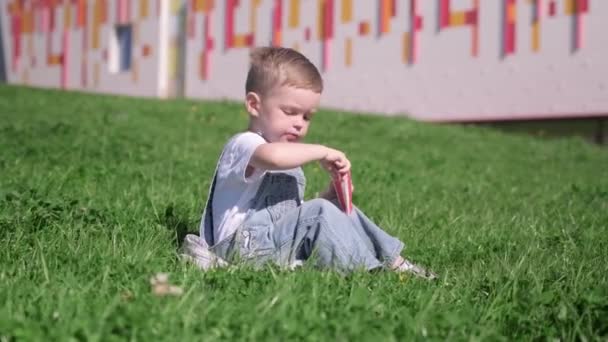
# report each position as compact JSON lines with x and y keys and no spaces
{"x":284,"y":156}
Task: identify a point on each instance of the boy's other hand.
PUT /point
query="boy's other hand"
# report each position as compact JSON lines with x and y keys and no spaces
{"x":335,"y":161}
{"x":329,"y":193}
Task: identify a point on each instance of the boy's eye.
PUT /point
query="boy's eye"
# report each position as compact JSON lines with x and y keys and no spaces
{"x":289,"y":112}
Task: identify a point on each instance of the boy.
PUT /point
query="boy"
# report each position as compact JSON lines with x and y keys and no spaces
{"x":255,"y":211}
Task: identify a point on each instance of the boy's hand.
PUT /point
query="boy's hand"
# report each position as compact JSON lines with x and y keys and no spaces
{"x":335,"y":161}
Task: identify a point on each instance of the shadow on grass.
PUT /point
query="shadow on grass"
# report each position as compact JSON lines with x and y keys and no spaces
{"x":179,"y":223}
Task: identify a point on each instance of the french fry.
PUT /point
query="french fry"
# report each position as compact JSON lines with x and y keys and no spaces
{"x":344,"y":190}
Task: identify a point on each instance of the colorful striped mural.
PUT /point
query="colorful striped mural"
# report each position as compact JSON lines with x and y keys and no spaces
{"x":431,"y":59}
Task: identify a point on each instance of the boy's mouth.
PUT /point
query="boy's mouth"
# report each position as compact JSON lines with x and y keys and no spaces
{"x":292,"y":137}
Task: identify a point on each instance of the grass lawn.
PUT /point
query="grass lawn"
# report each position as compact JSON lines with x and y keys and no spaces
{"x":94,"y":190}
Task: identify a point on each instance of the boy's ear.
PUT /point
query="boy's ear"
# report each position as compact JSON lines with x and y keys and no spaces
{"x":252,"y":102}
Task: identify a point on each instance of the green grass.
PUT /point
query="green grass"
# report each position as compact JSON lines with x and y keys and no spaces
{"x":94,"y":190}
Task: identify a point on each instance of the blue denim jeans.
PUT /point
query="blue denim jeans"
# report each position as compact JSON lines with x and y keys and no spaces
{"x":282,"y":229}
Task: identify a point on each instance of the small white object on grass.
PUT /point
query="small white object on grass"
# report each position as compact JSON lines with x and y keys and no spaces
{"x":161,"y":287}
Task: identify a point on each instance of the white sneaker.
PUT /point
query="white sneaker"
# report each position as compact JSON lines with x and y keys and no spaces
{"x":196,"y":250}
{"x":410,"y":267}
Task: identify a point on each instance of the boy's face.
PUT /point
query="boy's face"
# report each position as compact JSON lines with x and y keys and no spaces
{"x":284,"y":113}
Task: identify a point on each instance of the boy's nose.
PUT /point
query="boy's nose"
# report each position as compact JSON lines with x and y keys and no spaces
{"x":298,"y":124}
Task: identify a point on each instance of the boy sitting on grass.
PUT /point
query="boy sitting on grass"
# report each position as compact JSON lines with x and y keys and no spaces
{"x":255,"y":212}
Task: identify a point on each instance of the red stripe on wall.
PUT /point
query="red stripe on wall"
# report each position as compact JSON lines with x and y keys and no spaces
{"x":444,"y":13}
{"x":229,"y":24}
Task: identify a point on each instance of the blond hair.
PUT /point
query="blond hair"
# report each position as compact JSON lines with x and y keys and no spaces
{"x":278,"y":66}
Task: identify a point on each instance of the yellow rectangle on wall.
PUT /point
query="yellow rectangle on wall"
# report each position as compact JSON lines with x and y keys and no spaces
{"x":240,"y":40}
{"x":294,"y":14}
{"x":347,"y":11}
{"x":134,"y":71}
{"x":536,"y":36}
{"x":95,"y":36}
{"x":143,"y":9}
{"x":175,"y":6}
{"x":458,"y":18}
{"x":406,"y":48}
{"x":96,"y":75}
{"x":67,"y":15}
{"x":569,"y":7}
{"x":28,"y":22}
{"x":320,"y":18}
{"x":348,"y":52}
{"x":198,"y":5}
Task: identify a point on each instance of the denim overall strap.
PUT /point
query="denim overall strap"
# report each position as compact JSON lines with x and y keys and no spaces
{"x":207,"y":232}
{"x":206,"y":228}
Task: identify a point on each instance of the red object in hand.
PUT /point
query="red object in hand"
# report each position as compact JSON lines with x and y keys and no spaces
{"x":343,"y":186}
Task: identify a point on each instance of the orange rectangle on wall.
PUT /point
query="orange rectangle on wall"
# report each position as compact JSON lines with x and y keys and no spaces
{"x":511,"y":13}
{"x":202,"y":5}
{"x":385,"y":15}
{"x":28,"y":22}
{"x":146,"y":50}
{"x":364,"y":28}
{"x":54,"y":59}
{"x":81,"y":13}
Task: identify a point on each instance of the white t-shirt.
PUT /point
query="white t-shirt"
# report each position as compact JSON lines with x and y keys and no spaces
{"x":234,"y":191}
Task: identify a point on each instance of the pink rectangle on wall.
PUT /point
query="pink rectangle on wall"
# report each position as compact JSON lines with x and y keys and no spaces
{"x":277,"y":22}
{"x":229,"y":24}
{"x":123,"y":9}
{"x":578,"y":30}
{"x":191,"y":21}
{"x":415,"y":26}
{"x":326,"y":53}
{"x":509,"y":17}
{"x":65,"y":60}
{"x":51,"y":18}
{"x":328,"y":19}
{"x":552,"y":8}
{"x":538,"y":5}
{"x":16,"y":36}
{"x":205,"y":57}
{"x":444,"y":13}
